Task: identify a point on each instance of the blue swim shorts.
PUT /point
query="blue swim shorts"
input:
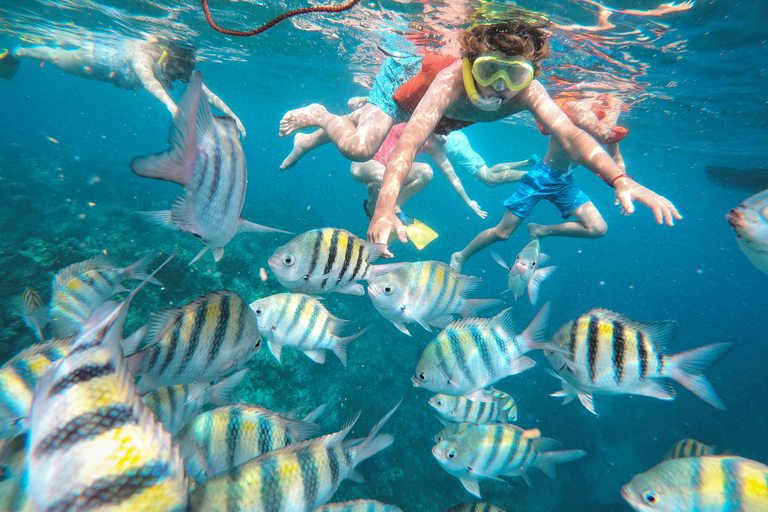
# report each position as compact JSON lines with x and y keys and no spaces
{"x":461,"y":155}
{"x":543,"y":182}
{"x":393,"y":74}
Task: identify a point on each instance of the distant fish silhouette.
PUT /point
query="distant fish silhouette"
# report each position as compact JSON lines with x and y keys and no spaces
{"x":742,"y":179}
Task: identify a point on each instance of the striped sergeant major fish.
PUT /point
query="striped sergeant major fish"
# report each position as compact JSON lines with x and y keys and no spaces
{"x":18,"y":378}
{"x":451,"y":429}
{"x":493,"y":451}
{"x":472,"y":354}
{"x":474,"y":507}
{"x":80,"y":288}
{"x":13,"y":453}
{"x":700,"y":484}
{"x":207,"y":159}
{"x":610,"y":354}
{"x":358,"y":506}
{"x":325,"y":260}
{"x":94,"y":445}
{"x":493,"y":406}
{"x":425,"y":292}
{"x":218,"y":440}
{"x":297,"y":478}
{"x":527,"y":271}
{"x":175,"y":406}
{"x":200,"y":341}
{"x":300,"y":321}
{"x":33,"y":312}
{"x":689,"y":448}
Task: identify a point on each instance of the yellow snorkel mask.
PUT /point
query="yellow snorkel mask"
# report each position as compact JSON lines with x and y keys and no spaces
{"x":487,"y":104}
{"x":502,"y":72}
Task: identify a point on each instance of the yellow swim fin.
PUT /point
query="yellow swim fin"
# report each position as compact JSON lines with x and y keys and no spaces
{"x":418,"y":232}
{"x":8,"y":64}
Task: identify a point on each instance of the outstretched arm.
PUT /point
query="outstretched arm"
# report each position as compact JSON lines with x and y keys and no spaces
{"x":584,"y":149}
{"x":437,"y":152}
{"x":142,"y":65}
{"x":222,"y":107}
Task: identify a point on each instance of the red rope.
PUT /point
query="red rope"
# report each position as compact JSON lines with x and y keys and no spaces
{"x":272,"y":23}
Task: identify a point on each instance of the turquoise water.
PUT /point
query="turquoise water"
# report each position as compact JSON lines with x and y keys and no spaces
{"x":695,"y":104}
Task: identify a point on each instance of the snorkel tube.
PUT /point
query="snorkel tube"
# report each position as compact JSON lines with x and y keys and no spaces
{"x":487,"y":104}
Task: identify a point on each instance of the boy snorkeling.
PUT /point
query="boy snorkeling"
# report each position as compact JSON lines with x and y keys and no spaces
{"x":496,"y":79}
{"x":551,"y":179}
{"x":128,"y":64}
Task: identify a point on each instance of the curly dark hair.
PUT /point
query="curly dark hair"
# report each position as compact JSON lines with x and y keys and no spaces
{"x":529,"y":39}
{"x":179,"y":63}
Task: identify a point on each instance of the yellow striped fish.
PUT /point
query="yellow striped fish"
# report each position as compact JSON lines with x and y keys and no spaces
{"x":325,"y":260}
{"x":358,"y":506}
{"x":300,"y":321}
{"x":175,"y":406}
{"x":18,"y":378}
{"x":32,"y":311}
{"x":474,"y":353}
{"x":297,"y":478}
{"x":199,"y":341}
{"x":609,"y":353}
{"x":700,"y":484}
{"x":474,"y":507}
{"x":492,"y":451}
{"x":425,"y":292}
{"x":451,"y":429}
{"x":79,"y":289}
{"x":218,"y":440}
{"x":493,"y":406}
{"x":13,"y":452}
{"x":689,"y":448}
{"x":94,"y":445}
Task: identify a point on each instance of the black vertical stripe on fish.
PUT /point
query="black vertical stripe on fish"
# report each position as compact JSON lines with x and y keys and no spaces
{"x":263,"y":433}
{"x":528,"y":452}
{"x":220,"y":333}
{"x":334,"y":466}
{"x":618,"y":350}
{"x":315,"y":254}
{"x":52,"y":354}
{"x":732,"y":491}
{"x":593,"y":346}
{"x":482,"y":347}
{"x":171,"y":393}
{"x":242,"y":311}
{"x":347,"y":258}
{"x":115,"y":489}
{"x":365,"y":270}
{"x":308,"y":469}
{"x":173,"y":342}
{"x":213,"y":185}
{"x":448,"y":300}
{"x":358,"y":262}
{"x":81,"y":374}
{"x":661,"y":358}
{"x":498,"y":436}
{"x":297,"y":314}
{"x":481,"y":411}
{"x":459,"y":355}
{"x":235,"y":491}
{"x":310,"y":325}
{"x":204,"y":163}
{"x":234,"y":162}
{"x":194,"y":337}
{"x":234,"y":429}
{"x":154,"y":355}
{"x":642,"y":355}
{"x":501,"y":343}
{"x":22,"y":370}
{"x":333,"y":248}
{"x":270,"y":479}
{"x":107,"y":277}
{"x":85,"y":426}
{"x":574,"y":338}
{"x":287,"y":438}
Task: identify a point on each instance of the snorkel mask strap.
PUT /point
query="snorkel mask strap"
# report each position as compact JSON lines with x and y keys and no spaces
{"x":487,"y":104}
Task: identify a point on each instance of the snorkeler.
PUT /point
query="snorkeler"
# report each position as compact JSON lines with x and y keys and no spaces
{"x":551,"y":179}
{"x":128,"y":64}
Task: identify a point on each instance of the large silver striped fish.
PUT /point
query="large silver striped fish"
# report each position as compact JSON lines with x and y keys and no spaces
{"x":358,"y":506}
{"x":492,"y":451}
{"x":207,"y":159}
{"x":493,"y":406}
{"x":608,"y":353}
{"x":325,"y":260}
{"x":219,"y":440}
{"x":199,"y":341}
{"x":474,"y":507}
{"x":94,"y":445}
{"x":297,"y":478}
{"x":300,"y":321}
{"x":425,"y":292}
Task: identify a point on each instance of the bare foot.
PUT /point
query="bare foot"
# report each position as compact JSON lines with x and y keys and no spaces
{"x":301,"y":146}
{"x":535,"y":230}
{"x":301,"y":118}
{"x":456,"y":261}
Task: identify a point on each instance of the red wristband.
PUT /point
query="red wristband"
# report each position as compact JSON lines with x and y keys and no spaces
{"x":617,"y":177}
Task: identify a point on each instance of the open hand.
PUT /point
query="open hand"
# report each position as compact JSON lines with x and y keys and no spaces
{"x":381,"y":226}
{"x":663,"y":210}
{"x":476,"y":208}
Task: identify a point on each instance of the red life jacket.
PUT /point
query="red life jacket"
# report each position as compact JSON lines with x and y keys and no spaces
{"x":411,"y":92}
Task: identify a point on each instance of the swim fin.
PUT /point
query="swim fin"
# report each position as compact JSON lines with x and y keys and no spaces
{"x":8,"y":64}
{"x":418,"y":232}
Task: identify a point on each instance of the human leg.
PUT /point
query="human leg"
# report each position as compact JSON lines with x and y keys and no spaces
{"x":590,"y":224}
{"x":418,"y":177}
{"x":502,"y":231}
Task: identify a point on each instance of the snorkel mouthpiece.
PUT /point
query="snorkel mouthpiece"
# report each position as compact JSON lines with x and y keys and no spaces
{"x":487,"y":104}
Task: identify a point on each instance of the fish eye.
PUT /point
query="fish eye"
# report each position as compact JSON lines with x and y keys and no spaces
{"x":764,"y":214}
{"x":388,"y":289}
{"x":257,"y":343}
{"x":533,"y":263}
{"x":289,"y":260}
{"x":439,"y":402}
{"x":650,"y":497}
{"x":422,"y":376}
{"x":451,"y":454}
{"x":259,"y":311}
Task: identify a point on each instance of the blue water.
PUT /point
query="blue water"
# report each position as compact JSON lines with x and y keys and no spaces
{"x":714,"y":114}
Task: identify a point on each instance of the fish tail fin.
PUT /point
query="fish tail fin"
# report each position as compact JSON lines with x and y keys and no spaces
{"x":246,"y":226}
{"x":341,"y":345}
{"x":221,"y":392}
{"x":161,"y":218}
{"x":313,"y":415}
{"x":535,"y":334}
{"x":535,"y":283}
{"x":199,"y":255}
{"x":374,"y":443}
{"x":687,"y":369}
{"x":137,"y":270}
{"x":177,"y":164}
{"x":131,"y":343}
{"x":474,"y":306}
{"x":547,"y":462}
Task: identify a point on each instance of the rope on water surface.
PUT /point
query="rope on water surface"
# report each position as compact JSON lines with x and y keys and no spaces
{"x":275,"y":21}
